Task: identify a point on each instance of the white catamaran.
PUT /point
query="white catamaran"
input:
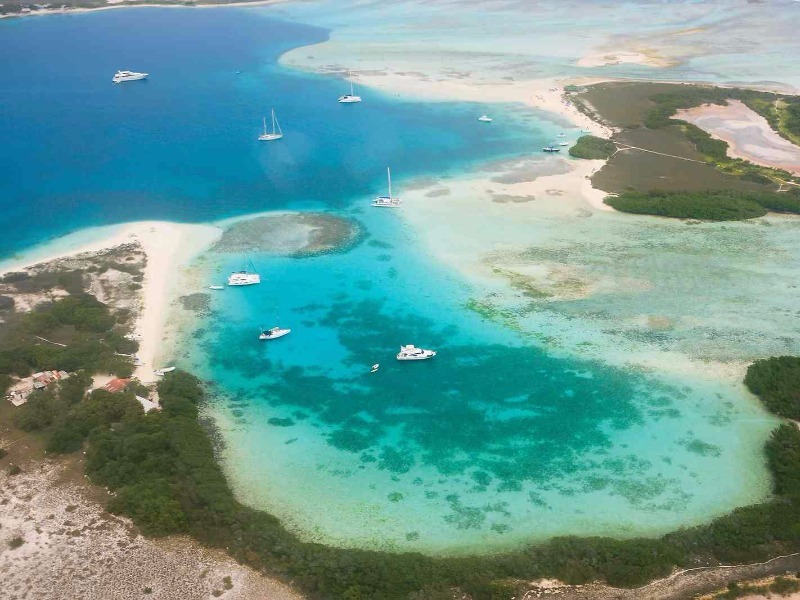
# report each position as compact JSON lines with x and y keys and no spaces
{"x":387,"y":201}
{"x":351,"y":97}
{"x":276,"y":133}
{"x":245,"y":277}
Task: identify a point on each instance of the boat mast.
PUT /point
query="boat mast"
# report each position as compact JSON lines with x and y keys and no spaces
{"x":389,"y":177}
{"x":273,"y":121}
{"x":265,"y":125}
{"x":350,"y":77}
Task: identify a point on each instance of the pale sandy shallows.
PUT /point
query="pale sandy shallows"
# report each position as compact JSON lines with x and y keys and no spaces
{"x":71,"y":548}
{"x":748,"y":134}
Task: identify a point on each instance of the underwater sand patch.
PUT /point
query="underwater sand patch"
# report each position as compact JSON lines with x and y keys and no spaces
{"x":438,"y":192}
{"x":509,"y":199}
{"x":291,"y":234}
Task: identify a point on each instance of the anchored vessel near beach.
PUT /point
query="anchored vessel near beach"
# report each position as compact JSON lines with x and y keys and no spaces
{"x":387,"y":201}
{"x":551,"y":149}
{"x":411,"y":352}
{"x":351,"y":97}
{"x":164,"y":371}
{"x":123,"y":76}
{"x":274,"y":333}
{"x":276,"y":134}
{"x":245,"y":277}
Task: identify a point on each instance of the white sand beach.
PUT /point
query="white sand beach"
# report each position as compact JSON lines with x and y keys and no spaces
{"x":168,"y":247}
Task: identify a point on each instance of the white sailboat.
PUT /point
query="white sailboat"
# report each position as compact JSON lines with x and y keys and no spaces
{"x":351,"y":97}
{"x":273,"y":334}
{"x":387,"y":201}
{"x":276,"y":133}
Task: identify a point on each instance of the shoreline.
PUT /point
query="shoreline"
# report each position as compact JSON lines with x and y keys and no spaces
{"x":123,"y":4}
{"x":168,"y":248}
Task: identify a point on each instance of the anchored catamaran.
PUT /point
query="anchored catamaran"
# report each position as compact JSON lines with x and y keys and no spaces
{"x":351,"y":97}
{"x":387,"y":201}
{"x":245,"y":277}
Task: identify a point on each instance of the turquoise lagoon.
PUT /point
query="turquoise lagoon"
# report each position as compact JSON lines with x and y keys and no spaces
{"x":499,"y":441}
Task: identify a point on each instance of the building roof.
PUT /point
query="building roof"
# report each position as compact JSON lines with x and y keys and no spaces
{"x":116,"y":385}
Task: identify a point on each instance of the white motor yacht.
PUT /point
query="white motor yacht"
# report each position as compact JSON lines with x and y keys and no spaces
{"x":123,"y":76}
{"x":411,"y":352}
{"x":485,"y":119}
{"x":164,"y":371}
{"x":274,"y":333}
{"x":551,"y":149}
{"x":387,"y":201}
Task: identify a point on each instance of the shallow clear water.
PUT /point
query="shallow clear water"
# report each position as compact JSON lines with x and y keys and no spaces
{"x":532,"y":421}
{"x":492,"y":444}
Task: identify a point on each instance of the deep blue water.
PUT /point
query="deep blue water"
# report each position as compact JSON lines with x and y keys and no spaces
{"x":77,"y":150}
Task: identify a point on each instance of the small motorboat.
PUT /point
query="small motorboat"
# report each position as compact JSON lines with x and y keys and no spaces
{"x":551,"y":149}
{"x":563,"y":143}
{"x":485,"y":119}
{"x":562,"y":134}
{"x":375,"y":367}
{"x":411,"y":352}
{"x":274,"y":333}
{"x":163,"y":371}
{"x":216,"y":287}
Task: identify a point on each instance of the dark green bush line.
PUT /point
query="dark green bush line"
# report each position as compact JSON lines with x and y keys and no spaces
{"x":591,"y":147}
{"x":776,"y":381}
{"x":719,"y":205}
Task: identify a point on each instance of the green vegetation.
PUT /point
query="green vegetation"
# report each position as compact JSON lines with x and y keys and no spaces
{"x":82,"y":334}
{"x":776,"y":381}
{"x":589,"y":146}
{"x":726,"y":205}
{"x":710,"y":206}
{"x":15,"y":542}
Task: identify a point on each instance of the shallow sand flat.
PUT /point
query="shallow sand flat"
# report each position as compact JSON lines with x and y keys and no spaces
{"x":73,"y":549}
{"x":747,"y":133}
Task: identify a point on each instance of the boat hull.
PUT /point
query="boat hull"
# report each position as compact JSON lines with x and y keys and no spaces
{"x":349,"y":99}
{"x":274,"y":336}
{"x":130,"y":78}
{"x":270,"y":137}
